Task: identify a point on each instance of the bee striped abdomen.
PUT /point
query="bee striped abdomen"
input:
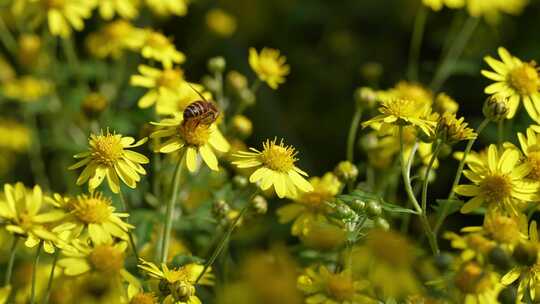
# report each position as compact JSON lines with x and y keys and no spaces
{"x":200,"y":112}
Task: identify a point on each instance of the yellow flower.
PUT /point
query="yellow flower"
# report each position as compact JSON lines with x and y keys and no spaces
{"x":114,"y":38}
{"x":196,"y":140}
{"x":25,"y":215}
{"x":108,"y":157}
{"x":63,"y":16}
{"x":4,"y":294}
{"x":516,"y":80}
{"x":168,"y":7}
{"x":454,"y":130}
{"x":499,"y":182}
{"x":472,"y":245}
{"x":322,"y":286}
{"x":437,"y":5}
{"x":408,"y":90}
{"x":188,"y":92}
{"x":27,"y":88}
{"x":83,"y":256}
{"x":274,"y":167}
{"x":91,"y":215}
{"x":269,"y":66}
{"x":158,"y":47}
{"x":14,"y":136}
{"x":124,"y":8}
{"x":179,"y":283}
{"x":491,"y":9}
{"x":530,"y":145}
{"x":396,"y":112}
{"x":221,"y":22}
{"x":310,"y":207}
{"x":444,"y":103}
{"x":476,"y":284}
{"x":163,"y":84}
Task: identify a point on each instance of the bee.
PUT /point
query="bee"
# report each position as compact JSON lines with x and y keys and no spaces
{"x":200,"y":112}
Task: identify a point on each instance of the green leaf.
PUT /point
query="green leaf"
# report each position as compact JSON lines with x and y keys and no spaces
{"x":367,"y":196}
{"x":396,"y":209}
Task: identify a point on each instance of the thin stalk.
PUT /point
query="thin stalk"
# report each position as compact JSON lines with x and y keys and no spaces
{"x":126,"y":208}
{"x":225,"y":239}
{"x":37,"y":165}
{"x":500,"y":133}
{"x":426,"y":175}
{"x":457,"y":177}
{"x":445,"y":67}
{"x":51,"y":278}
{"x":256,"y":85}
{"x":353,"y":131}
{"x":170,"y":208}
{"x":7,"y":38}
{"x":11,"y":261}
{"x":416,"y":42}
{"x":34,"y":270}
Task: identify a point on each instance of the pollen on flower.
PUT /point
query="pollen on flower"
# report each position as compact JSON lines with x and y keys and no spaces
{"x":106,"y":149}
{"x":170,"y":78}
{"x":143,"y":298}
{"x":525,"y":79}
{"x":496,"y":188}
{"x":106,"y":258}
{"x":534,"y":161}
{"x":195,"y":135}
{"x":278,"y":156}
{"x":400,"y":108}
{"x":92,"y":209}
{"x":341,"y":286}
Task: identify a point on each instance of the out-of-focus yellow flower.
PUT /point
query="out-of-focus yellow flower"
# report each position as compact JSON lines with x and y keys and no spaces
{"x":91,"y":215}
{"x":162,"y":85}
{"x":201,"y":139}
{"x":310,"y":207}
{"x":499,"y":182}
{"x":124,"y":8}
{"x":26,"y":88}
{"x":530,"y":145}
{"x":515,"y":80}
{"x":158,"y":47}
{"x":472,"y":246}
{"x":506,"y":230}
{"x":324,"y":236}
{"x":242,"y":125}
{"x":491,"y":9}
{"x":269,"y":66}
{"x":408,"y":90}
{"x":176,"y":246}
{"x":322,"y":286}
{"x":444,"y":103}
{"x":114,"y":38}
{"x":4,"y":294}
{"x":29,"y":49}
{"x":437,"y":5}
{"x":14,"y":136}
{"x":94,"y":104}
{"x":25,"y":215}
{"x":168,"y":7}
{"x":6,"y":71}
{"x":221,"y":22}
{"x":65,"y":16}
{"x":108,"y":156}
{"x":477,"y":284}
{"x":178,"y":284}
{"x":274,"y":166}
{"x":188,"y":92}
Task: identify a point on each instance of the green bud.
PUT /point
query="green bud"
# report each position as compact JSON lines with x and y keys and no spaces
{"x":346,"y":171}
{"x":381,"y":223}
{"x":220,"y":209}
{"x":216,"y":64}
{"x":240,"y":181}
{"x":365,"y":98}
{"x":496,"y":108}
{"x":259,"y":204}
{"x":247,"y":97}
{"x":358,"y":205}
{"x":443,"y":261}
{"x":344,"y":211}
{"x":373,"y":209}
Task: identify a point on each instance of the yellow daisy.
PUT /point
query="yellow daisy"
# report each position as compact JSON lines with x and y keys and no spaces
{"x":476,"y":284}
{"x":452,"y":130}
{"x":126,"y":9}
{"x":530,"y":145}
{"x":63,"y":16}
{"x":499,"y":182}
{"x":158,"y":47}
{"x":91,"y":215}
{"x":14,"y":136}
{"x":311,"y":207}
{"x":108,"y":157}
{"x":196,"y":140}
{"x":437,"y":5}
{"x":325,"y":287}
{"x":25,"y":215}
{"x":492,"y":9}
{"x":515,"y":80}
{"x":162,"y":84}
{"x":27,"y":88}
{"x":221,"y":22}
{"x":274,"y":166}
{"x":269,"y":66}
{"x":168,"y":7}
{"x":178,"y":284}
{"x":188,"y":92}
{"x":114,"y":38}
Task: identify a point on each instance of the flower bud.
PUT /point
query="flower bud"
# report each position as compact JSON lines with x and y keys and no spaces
{"x":346,"y":171}
{"x":358,"y":205}
{"x":371,"y":71}
{"x":365,"y":98}
{"x":381,"y":223}
{"x":29,"y":46}
{"x":240,"y":181}
{"x":526,"y":253}
{"x":242,"y":125}
{"x":247,"y":97}
{"x":236,"y":80}
{"x":210,"y":83}
{"x":369,"y":141}
{"x":93,"y":104}
{"x":220,"y":209}
{"x":432,"y":174}
{"x":217,"y":64}
{"x":259,"y":204}
{"x":344,"y":211}
{"x":373,"y":209}
{"x":496,"y":108}
{"x":182,"y":291}
{"x":443,"y":261}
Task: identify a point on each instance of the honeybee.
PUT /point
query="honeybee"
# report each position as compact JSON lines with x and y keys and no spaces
{"x":200,"y":112}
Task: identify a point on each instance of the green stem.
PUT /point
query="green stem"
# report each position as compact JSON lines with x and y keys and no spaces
{"x":37,"y":165}
{"x":353,"y":131}
{"x":426,"y":175}
{"x":170,"y":208}
{"x":126,"y":208}
{"x":255,"y":86}
{"x":51,"y":278}
{"x":219,"y":93}
{"x":34,"y":273}
{"x":225,"y":238}
{"x":416,"y":42}
{"x":11,"y":261}
{"x":445,"y":67}
{"x":7,"y":38}
{"x":457,"y":177}
{"x":500,"y":133}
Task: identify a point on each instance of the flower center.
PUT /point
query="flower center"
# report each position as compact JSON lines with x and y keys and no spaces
{"x":25,"y":221}
{"x":170,"y":78}
{"x":54,"y":4}
{"x":92,"y":210}
{"x":269,"y":66}
{"x":157,"y":41}
{"x":534,"y":161}
{"x":195,"y":135}
{"x":401,"y":108}
{"x":106,"y":149}
{"x":143,"y":298}
{"x":496,"y":188}
{"x":341,"y":287}
{"x":525,"y":79}
{"x":106,"y":258}
{"x":278,"y":157}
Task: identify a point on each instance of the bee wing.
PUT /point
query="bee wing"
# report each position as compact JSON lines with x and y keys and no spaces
{"x":196,"y":91}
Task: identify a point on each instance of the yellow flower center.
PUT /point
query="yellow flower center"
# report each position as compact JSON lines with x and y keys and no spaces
{"x":525,"y":79}
{"x":341,"y":287}
{"x":496,"y":188}
{"x":269,"y":66}
{"x":54,"y":4}
{"x":170,"y":78}
{"x":157,"y":41}
{"x":143,"y":298}
{"x":106,"y":258}
{"x":401,"y":108}
{"x":107,"y":149}
{"x":278,"y":157}
{"x":92,"y":210}
{"x":195,"y":135}
{"x":25,"y":221}
{"x":534,"y":161}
